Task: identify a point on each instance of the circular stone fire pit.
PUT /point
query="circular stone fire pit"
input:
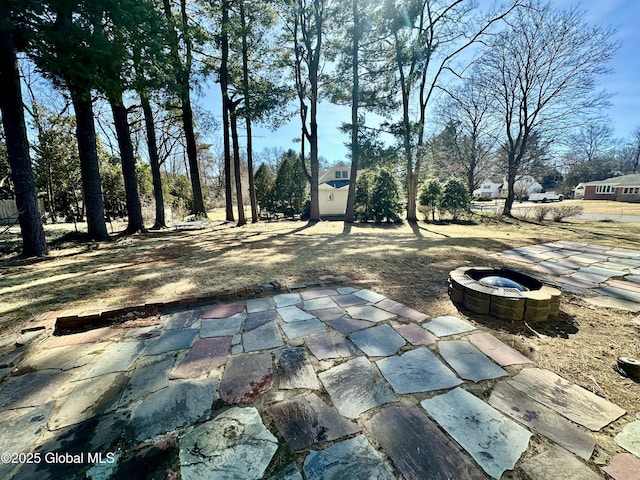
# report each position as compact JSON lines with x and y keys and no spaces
{"x":504,"y":294}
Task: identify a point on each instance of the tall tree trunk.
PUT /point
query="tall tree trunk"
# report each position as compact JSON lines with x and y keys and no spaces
{"x":123,"y":132}
{"x":248,"y":113}
{"x":31,"y":230}
{"x":236,"y":166}
{"x":89,"y":167}
{"x":224,"y":87}
{"x":355,"y":102}
{"x":154,"y":161}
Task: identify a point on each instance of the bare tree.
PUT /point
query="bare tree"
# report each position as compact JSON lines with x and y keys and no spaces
{"x":541,"y":74}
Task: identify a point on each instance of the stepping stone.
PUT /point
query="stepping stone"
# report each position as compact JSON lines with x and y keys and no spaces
{"x":494,"y":441}
{"x":370,"y":296}
{"x":321,"y":303}
{"x":246,"y":377}
{"x":354,"y":458}
{"x":552,"y":268}
{"x":293,"y":314}
{"x":264,"y":337}
{"x":348,"y":325}
{"x":221,"y":327}
{"x":205,"y":356}
{"x":629,"y":438}
{"x":589,"y":276}
{"x":20,"y":429}
{"x":588,"y":258}
{"x":329,"y":314}
{"x":88,"y":399}
{"x":500,"y":353}
{"x":624,"y":284}
{"x":155,"y":461}
{"x":182,"y":403}
{"x":541,"y":419}
{"x":151,"y":374}
{"x":417,"y":371}
{"x":311,"y":294}
{"x":175,"y":321}
{"x":575,"y":282}
{"x":330,"y":345}
{"x":64,"y":358}
{"x":260,"y":305}
{"x":12,"y":358}
{"x":254,"y":320}
{"x":558,"y":464}
{"x":307,"y":420}
{"x":290,"y":472}
{"x":620,"y":293}
{"x":346,"y":290}
{"x":355,"y":387}
{"x":294,"y":370}
{"x":171,"y":341}
{"x":223,"y":311}
{"x":623,"y":466}
{"x":144,"y":333}
{"x":350,"y":300}
{"x":92,"y":336}
{"x":235,"y":445}
{"x":31,"y":389}
{"x":118,"y":357}
{"x":418,"y":448}
{"x":402,"y":310}
{"x":448,"y":325}
{"x":369,"y":313}
{"x":303,"y":328}
{"x":379,"y":341}
{"x":469,"y":362}
{"x":415,"y":334}
{"x":287,"y":300}
{"x":568,"y":399}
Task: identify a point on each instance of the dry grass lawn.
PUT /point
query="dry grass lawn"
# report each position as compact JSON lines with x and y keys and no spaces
{"x":409,"y":263}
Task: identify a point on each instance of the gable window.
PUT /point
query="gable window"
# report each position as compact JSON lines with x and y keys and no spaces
{"x":338,"y":174}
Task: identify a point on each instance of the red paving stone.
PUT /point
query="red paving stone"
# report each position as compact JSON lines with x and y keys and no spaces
{"x":624,"y":466}
{"x":92,"y":336}
{"x":205,"y":355}
{"x":223,"y":311}
{"x":500,"y":353}
{"x":415,"y":334}
{"x":631,"y":286}
{"x":246,"y":377}
{"x":401,"y":310}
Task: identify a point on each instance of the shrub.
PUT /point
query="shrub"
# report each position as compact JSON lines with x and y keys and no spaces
{"x":385,"y":198}
{"x":560,"y":213}
{"x":429,"y":196}
{"x":363,"y":210}
{"x":455,"y":198}
{"x":540,"y":213}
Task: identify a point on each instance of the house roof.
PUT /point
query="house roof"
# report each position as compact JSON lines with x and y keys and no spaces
{"x":334,"y":184}
{"x":632,"y":180}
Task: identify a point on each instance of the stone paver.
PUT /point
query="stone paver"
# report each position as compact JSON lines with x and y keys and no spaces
{"x":221,"y":327}
{"x":415,"y":334}
{"x":321,"y":303}
{"x":294,"y":314}
{"x":246,"y":377}
{"x":257,"y":319}
{"x":182,"y":403}
{"x":629,"y":438}
{"x":172,"y":340}
{"x":151,"y":374}
{"x":369,"y":296}
{"x":354,"y":458}
{"x":321,"y":292}
{"x":306,"y":420}
{"x":329,"y":314}
{"x":417,"y":371}
{"x":178,"y":320}
{"x":558,"y":464}
{"x":418,"y":447}
{"x":92,"y":336}
{"x":402,"y":310}
{"x":571,"y":401}
{"x":264,"y":337}
{"x":303,"y":328}
{"x":378,"y":341}
{"x":494,"y":441}
{"x":623,"y":466}
{"x":369,"y":313}
{"x":500,"y":353}
{"x":235,"y":445}
{"x":223,"y":311}
{"x":541,"y":419}
{"x":31,"y":389}
{"x":448,"y":325}
{"x":469,"y":362}
{"x":287,"y":300}
{"x":64,"y":358}
{"x":260,"y":305}
{"x":350,"y":300}
{"x":355,"y":387}
{"x":118,"y":357}
{"x":290,"y":472}
{"x":294,"y":370}
{"x":205,"y":356}
{"x":330,"y":345}
{"x":348,"y":325}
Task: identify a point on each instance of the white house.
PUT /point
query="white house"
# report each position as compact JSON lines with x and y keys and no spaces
{"x":333,"y":188}
{"x":490,"y":188}
{"x":496,"y":187}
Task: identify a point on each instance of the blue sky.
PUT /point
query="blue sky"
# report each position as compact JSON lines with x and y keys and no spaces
{"x":623,"y":83}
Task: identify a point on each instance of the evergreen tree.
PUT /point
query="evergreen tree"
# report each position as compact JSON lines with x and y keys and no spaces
{"x":430,"y":194}
{"x":265,"y":180}
{"x":363,"y":209}
{"x":455,"y":198}
{"x":290,"y":189}
{"x":385,"y":197}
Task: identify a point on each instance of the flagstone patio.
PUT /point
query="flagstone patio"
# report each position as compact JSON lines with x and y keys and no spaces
{"x":328,"y":382}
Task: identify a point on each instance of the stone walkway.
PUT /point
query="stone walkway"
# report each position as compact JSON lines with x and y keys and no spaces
{"x":610,"y":276}
{"x":332,"y":382}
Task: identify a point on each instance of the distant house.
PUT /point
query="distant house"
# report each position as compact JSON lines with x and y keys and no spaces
{"x":496,"y":187}
{"x":490,"y":188}
{"x":333,"y":188}
{"x":625,"y":188}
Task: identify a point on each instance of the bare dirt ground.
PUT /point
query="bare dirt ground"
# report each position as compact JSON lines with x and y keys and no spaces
{"x":409,"y":263}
